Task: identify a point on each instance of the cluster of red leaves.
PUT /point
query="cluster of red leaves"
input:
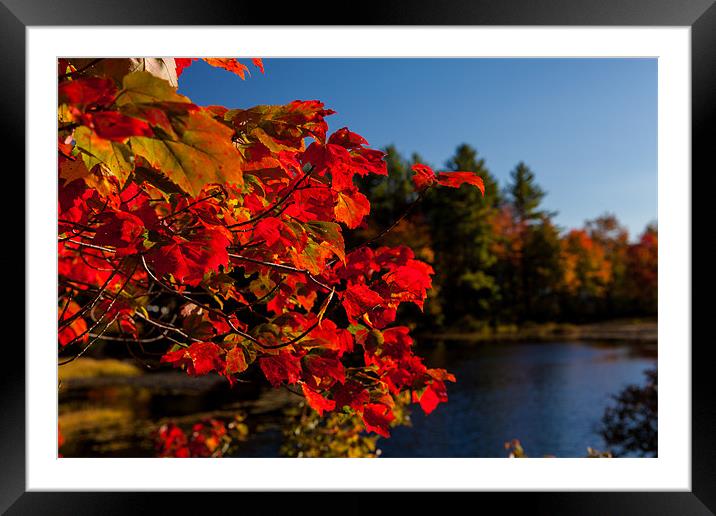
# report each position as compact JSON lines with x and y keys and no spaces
{"x":218,"y":233}
{"x":425,"y":177}
{"x":204,"y":440}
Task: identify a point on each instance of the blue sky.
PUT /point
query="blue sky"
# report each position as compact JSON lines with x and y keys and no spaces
{"x":586,"y":127}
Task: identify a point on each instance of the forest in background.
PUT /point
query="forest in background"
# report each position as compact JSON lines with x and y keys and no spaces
{"x":501,"y":259}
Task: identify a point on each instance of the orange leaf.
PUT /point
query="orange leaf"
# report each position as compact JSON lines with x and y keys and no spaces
{"x":230,"y":64}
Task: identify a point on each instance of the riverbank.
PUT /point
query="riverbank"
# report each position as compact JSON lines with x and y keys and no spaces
{"x":638,"y":331}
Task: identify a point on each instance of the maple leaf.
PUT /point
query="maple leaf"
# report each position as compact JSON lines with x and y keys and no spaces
{"x":329,"y":336}
{"x":120,"y":230}
{"x":202,"y":154}
{"x":183,"y":63}
{"x":382,"y":316}
{"x":163,"y":115}
{"x":325,"y":369}
{"x":441,"y":374}
{"x":71,"y":169}
{"x":351,"y":394}
{"x":189,"y":260}
{"x":228,"y":63}
{"x":112,"y":125}
{"x":137,"y":202}
{"x":424,"y":176}
{"x":235,"y":362}
{"x":457,"y":179}
{"x":199,"y":358}
{"x":316,"y":401}
{"x":377,"y":418}
{"x":281,"y":128}
{"x":272,"y":230}
{"x":143,"y":87}
{"x":413,"y":277}
{"x":351,"y":206}
{"x":358,"y":299}
{"x":347,"y":139}
{"x":258,"y":63}
{"x":84,"y":92}
{"x":329,"y":235}
{"x":116,"y":157}
{"x":312,"y":204}
{"x":283,"y":367}
{"x":397,"y":342}
{"x":434,"y":394}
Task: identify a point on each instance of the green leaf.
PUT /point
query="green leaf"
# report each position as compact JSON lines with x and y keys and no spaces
{"x":311,"y":258}
{"x":143,"y":87}
{"x":202,"y":154}
{"x":114,"y":156}
{"x":329,"y":235}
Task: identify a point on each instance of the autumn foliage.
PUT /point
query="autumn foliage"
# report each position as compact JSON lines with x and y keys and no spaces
{"x":216,"y":236}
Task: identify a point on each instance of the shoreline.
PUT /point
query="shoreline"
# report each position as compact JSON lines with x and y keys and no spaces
{"x":634,"y":331}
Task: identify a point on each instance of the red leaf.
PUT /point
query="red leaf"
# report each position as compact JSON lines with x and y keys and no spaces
{"x":347,"y":139}
{"x":329,"y":336}
{"x":199,"y":358}
{"x":316,"y":401}
{"x":235,"y":362}
{"x":312,"y":204}
{"x":351,"y":394}
{"x":83,"y":92}
{"x":120,"y":230}
{"x":381,"y":317}
{"x":283,"y":367}
{"x":258,"y":63}
{"x":434,"y":394}
{"x":441,"y":374}
{"x":112,"y":125}
{"x":189,"y":260}
{"x":182,"y":63}
{"x":273,"y":230}
{"x":325,"y":369}
{"x":397,"y":342}
{"x":414,"y":277}
{"x":359,"y":299}
{"x":377,"y":418}
{"x":456,"y":179}
{"x":230,"y":64}
{"x":351,"y":206}
{"x":424,"y":176}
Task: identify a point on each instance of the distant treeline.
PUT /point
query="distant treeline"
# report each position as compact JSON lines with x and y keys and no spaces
{"x":502,"y":260}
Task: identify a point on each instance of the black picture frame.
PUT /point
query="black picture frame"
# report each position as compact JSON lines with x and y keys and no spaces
{"x":17,"y":15}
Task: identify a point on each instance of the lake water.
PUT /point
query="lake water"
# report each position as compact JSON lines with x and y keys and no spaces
{"x":550,"y":396}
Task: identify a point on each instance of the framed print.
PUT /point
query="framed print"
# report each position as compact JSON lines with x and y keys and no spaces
{"x":407,"y":252}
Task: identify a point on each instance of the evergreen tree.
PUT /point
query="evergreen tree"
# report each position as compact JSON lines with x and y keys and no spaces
{"x":461,"y":237}
{"x":524,"y":194}
{"x":542,"y":270}
{"x":530,"y":279}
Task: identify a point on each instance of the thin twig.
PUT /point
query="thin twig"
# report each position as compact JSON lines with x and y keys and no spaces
{"x":306,"y":175}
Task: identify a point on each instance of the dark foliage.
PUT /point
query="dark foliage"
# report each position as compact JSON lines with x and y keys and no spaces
{"x":630,"y":425}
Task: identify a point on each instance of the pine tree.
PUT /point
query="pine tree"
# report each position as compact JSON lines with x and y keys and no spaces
{"x":461,"y":236}
{"x":529,"y":281}
{"x":524,"y":194}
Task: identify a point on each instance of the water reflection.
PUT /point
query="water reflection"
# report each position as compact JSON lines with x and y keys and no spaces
{"x":550,"y":396}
